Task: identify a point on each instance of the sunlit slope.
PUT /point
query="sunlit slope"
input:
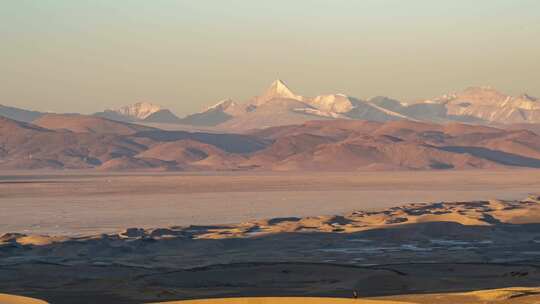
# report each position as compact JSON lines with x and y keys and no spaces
{"x":512,"y":295}
{"x":285,"y":300}
{"x":11,"y":299}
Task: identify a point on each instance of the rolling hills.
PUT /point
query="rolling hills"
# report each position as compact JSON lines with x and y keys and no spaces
{"x":90,"y":142}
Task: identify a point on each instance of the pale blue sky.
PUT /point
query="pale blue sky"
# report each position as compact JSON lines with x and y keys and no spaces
{"x":84,"y":56}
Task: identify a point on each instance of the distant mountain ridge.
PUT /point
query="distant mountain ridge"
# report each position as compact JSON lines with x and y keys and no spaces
{"x":19,"y":114}
{"x":87,"y":124}
{"x":140,"y":112}
{"x":490,"y":105}
{"x":279,"y":105}
{"x":213,"y":115}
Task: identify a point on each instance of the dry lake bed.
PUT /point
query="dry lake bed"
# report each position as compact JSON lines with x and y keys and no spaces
{"x":82,"y":203}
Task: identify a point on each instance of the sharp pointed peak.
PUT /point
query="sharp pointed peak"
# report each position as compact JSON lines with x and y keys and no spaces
{"x":278,"y":82}
{"x":278,"y":89}
{"x":279,"y":85}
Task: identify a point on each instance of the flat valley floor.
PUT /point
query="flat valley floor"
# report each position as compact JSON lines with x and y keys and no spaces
{"x":281,"y":234}
{"x":82,"y":203}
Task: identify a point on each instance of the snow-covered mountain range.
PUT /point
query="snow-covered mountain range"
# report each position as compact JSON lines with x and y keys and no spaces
{"x":279,"y":105}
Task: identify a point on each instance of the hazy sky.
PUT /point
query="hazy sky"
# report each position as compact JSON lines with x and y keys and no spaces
{"x":84,"y":56}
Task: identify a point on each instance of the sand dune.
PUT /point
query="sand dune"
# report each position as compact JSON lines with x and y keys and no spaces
{"x":93,"y":203}
{"x":480,"y":213}
{"x":475,"y":213}
{"x":285,"y":300}
{"x":12,"y":299}
{"x":513,"y":295}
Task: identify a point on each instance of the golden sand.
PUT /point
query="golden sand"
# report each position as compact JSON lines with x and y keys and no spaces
{"x":284,"y":300}
{"x":12,"y":299}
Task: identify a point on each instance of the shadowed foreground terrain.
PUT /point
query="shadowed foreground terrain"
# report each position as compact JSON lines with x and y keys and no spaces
{"x":410,"y":249}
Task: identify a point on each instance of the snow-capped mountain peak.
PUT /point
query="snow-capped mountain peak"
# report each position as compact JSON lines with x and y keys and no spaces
{"x":339,"y":103}
{"x":278,"y":89}
{"x":140,"y":110}
{"x":222,"y":105}
{"x":279,"y":105}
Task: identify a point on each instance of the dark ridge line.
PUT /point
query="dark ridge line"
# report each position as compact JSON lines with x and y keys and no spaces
{"x":505,"y":158}
{"x":373,"y":267}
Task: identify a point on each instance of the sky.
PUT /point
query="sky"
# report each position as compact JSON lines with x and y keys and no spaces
{"x":86,"y":56}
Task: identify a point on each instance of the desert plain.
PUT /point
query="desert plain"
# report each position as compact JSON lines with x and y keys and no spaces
{"x":82,"y":202}
{"x":471,"y":236}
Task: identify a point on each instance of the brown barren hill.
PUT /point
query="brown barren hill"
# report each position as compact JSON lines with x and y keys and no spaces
{"x":355,"y":145}
{"x":330,"y":145}
{"x":27,"y":146}
{"x":193,"y":154}
{"x":534,"y":127}
{"x":127,"y":163}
